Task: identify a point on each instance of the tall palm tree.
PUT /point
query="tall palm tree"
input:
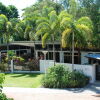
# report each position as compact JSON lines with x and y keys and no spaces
{"x":75,"y":32}
{"x":5,"y":29}
{"x":47,"y":29}
{"x":26,"y":30}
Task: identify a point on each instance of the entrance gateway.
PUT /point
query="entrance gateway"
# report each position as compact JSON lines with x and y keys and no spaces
{"x":95,"y":59}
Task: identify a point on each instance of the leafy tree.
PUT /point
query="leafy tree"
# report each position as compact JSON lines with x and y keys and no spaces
{"x":14,"y":22}
{"x":78,"y":31}
{"x":48,"y":30}
{"x":96,"y":41}
{"x":3,"y":9}
{"x":5,"y":29}
{"x":39,"y":6}
{"x":10,"y":11}
{"x":20,"y":30}
{"x":92,"y":10}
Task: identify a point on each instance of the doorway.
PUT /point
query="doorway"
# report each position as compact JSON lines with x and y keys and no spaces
{"x":98,"y":72}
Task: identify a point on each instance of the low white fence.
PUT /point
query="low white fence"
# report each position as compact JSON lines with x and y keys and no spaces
{"x":88,"y":70}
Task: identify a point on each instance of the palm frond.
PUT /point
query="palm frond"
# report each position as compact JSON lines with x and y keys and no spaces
{"x":86,"y":21}
{"x":66,"y":22}
{"x":85,"y":30}
{"x":3,"y":18}
{"x":44,"y":39}
{"x":43,"y":25}
{"x":27,"y":30}
{"x":9,"y":27}
{"x":64,"y":37}
{"x":32,"y":35}
{"x":64,"y":14}
{"x":41,"y":32}
{"x":42,"y":19}
{"x":53,"y":16}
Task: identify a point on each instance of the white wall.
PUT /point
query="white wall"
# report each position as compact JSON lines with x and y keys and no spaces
{"x":61,"y":57}
{"x":88,"y":70}
{"x":44,"y":64}
{"x":84,"y":60}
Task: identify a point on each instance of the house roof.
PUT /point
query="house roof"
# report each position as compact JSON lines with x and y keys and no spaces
{"x":93,"y":56}
{"x":28,"y":43}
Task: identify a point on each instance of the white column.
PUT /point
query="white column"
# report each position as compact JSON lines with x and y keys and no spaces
{"x":84,"y":60}
{"x":36,"y":55}
{"x":93,"y":73}
{"x":12,"y":66}
{"x":29,"y":51}
{"x":61,"y":57}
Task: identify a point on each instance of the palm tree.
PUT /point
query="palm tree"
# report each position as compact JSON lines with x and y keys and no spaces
{"x":26,"y":30}
{"x":75,"y":32}
{"x":5,"y":29}
{"x":47,"y":29}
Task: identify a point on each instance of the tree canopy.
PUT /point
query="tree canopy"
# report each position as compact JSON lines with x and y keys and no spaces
{"x":55,"y":17}
{"x":10,"y":11}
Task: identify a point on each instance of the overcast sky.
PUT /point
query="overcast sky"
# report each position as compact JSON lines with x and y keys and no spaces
{"x":20,"y":4}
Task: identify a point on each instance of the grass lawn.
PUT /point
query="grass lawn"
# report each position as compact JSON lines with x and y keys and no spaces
{"x":23,"y":80}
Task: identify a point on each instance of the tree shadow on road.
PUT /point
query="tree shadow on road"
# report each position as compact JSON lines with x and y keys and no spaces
{"x":91,"y":87}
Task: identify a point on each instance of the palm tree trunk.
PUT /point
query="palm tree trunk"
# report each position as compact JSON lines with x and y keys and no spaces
{"x":70,"y":54}
{"x":73,"y":51}
{"x":34,"y":50}
{"x":53,"y":49}
{"x":7,"y":53}
{"x":48,"y":50}
{"x":79,"y":55}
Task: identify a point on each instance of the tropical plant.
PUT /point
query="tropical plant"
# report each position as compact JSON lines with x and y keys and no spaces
{"x":48,"y":30}
{"x":39,"y":6}
{"x":2,"y":77}
{"x":55,"y":77}
{"x":10,"y":11}
{"x":81,"y":29}
{"x":95,"y":42}
{"x":4,"y":97}
{"x":59,"y":77}
{"x":5,"y":29}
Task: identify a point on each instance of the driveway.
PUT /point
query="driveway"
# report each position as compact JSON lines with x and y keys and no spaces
{"x":90,"y":92}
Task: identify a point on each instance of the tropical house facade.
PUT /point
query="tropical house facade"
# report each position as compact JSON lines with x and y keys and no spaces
{"x":61,"y":55}
{"x":28,"y":49}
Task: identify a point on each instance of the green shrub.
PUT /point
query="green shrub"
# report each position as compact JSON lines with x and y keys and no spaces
{"x":3,"y":97}
{"x":55,"y":77}
{"x":76,"y":79}
{"x":58,"y":77}
{"x":2,"y":77}
{"x":3,"y":67}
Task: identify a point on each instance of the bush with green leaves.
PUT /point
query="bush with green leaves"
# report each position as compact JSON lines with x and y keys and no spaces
{"x":55,"y":77}
{"x":2,"y":77}
{"x":58,"y":77}
{"x":4,"y":97}
{"x":3,"y":67}
{"x":76,"y":79}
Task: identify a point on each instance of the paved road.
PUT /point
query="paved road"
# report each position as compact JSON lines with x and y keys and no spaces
{"x":91,"y":92}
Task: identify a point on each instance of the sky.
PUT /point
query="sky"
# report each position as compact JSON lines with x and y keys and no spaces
{"x":20,"y":4}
